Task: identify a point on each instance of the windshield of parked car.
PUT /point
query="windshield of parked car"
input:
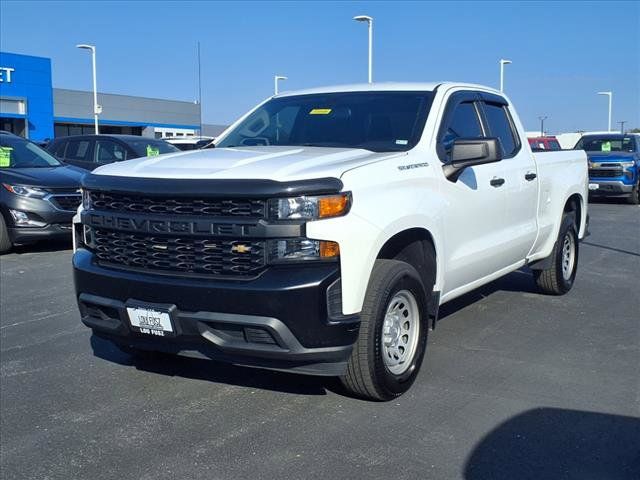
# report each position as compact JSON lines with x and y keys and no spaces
{"x":376,"y":121}
{"x":149,"y":147}
{"x":606,"y":144}
{"x":16,"y":152}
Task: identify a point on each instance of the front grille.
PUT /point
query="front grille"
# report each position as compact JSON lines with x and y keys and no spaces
{"x":605,"y":173}
{"x":176,"y":255}
{"x":198,"y":206}
{"x":66,"y":202}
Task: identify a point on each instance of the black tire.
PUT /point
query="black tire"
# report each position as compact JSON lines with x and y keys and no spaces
{"x":634,"y":198}
{"x":5,"y":241}
{"x":367,"y":374}
{"x":553,"y":280}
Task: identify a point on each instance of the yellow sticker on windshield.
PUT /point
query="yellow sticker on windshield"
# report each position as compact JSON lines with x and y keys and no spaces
{"x":320,"y":111}
{"x":152,"y":152}
{"x":5,"y":156}
{"x":606,"y":146}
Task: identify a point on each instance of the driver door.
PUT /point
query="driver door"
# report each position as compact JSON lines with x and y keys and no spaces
{"x":475,"y":209}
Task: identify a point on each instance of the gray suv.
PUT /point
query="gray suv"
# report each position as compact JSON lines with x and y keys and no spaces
{"x":38,"y":194}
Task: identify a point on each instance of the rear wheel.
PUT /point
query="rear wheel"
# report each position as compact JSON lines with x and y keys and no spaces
{"x":559,"y":277}
{"x":393,"y":333}
{"x":5,"y":241}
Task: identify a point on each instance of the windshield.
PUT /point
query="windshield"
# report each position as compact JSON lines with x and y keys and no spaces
{"x":376,"y":121}
{"x":16,"y":152}
{"x":149,"y":147}
{"x":606,"y":144}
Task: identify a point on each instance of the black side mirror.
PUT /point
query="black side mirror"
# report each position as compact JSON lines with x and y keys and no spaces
{"x":469,"y":152}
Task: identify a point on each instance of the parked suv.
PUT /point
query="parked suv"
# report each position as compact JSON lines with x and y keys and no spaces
{"x":91,"y":151}
{"x":38,"y":194}
{"x":614,"y":164}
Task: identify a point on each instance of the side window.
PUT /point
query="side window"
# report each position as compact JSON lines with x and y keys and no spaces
{"x":500,"y":126}
{"x":78,"y":150}
{"x":58,"y":150}
{"x":109,"y":152}
{"x":463,"y":123}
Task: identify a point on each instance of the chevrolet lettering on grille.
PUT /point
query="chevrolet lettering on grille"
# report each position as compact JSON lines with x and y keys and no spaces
{"x":150,"y":225}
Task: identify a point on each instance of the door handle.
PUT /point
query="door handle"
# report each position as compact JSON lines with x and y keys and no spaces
{"x":496,"y":182}
{"x":530,"y":176}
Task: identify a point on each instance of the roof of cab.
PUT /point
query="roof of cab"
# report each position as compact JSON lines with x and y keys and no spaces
{"x":386,"y":87}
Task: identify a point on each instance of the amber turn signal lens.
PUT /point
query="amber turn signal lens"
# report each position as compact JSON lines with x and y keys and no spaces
{"x":333,"y":206}
{"x":329,"y":249}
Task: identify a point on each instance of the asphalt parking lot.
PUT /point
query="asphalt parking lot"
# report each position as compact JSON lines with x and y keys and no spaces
{"x":515,"y":385}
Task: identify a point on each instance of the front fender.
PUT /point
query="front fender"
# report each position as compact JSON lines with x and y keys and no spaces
{"x":360,"y":243}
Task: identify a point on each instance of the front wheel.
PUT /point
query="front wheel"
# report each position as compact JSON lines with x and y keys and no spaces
{"x":559,"y":277}
{"x":393,"y":333}
{"x":634,"y":198}
{"x":5,"y":241}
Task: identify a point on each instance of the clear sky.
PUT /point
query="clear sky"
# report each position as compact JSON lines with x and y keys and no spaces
{"x":562,"y":53}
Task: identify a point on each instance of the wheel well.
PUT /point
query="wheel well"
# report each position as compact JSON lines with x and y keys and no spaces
{"x":574,"y":204}
{"x":416,"y":247}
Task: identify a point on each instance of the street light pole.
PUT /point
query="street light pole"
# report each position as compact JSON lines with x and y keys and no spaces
{"x":503,"y":62}
{"x":622,"y":122}
{"x":610,"y":95}
{"x":199,"y":92}
{"x":276,"y":78}
{"x":369,"y":20}
{"x":96,"y":107}
{"x":542,"y":119}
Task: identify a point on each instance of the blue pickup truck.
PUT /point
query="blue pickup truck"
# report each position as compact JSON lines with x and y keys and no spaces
{"x":614,"y":164}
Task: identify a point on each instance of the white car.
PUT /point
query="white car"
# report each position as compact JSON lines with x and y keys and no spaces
{"x":325,"y":230}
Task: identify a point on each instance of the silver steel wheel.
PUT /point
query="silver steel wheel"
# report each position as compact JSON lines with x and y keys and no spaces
{"x":568,"y":255}
{"x":400,"y":332}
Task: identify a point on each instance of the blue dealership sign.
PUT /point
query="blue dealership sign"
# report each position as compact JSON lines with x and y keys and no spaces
{"x":26,"y":92}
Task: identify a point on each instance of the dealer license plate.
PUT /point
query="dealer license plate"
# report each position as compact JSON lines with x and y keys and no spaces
{"x":150,"y":322}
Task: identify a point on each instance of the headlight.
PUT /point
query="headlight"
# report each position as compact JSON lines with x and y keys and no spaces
{"x":302,"y":249}
{"x":86,"y":199}
{"x":25,"y":190}
{"x":628,"y":164}
{"x":310,"y":208}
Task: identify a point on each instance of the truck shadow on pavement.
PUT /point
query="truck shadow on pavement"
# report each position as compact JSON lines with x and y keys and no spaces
{"x":219,"y":372}
{"x":552,"y":443}
{"x":215,"y":371}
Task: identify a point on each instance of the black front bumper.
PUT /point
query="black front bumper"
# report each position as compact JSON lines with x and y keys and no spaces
{"x":278,"y":320}
{"x":53,"y":231}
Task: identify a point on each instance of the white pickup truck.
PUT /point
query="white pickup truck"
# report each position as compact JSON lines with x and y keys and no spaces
{"x":325,"y":230}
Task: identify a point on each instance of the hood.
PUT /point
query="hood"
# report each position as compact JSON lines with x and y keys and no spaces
{"x":603,"y":157}
{"x":275,"y":163}
{"x":49,"y":177}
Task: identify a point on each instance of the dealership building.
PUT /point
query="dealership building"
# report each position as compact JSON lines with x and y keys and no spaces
{"x":32,"y":108}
